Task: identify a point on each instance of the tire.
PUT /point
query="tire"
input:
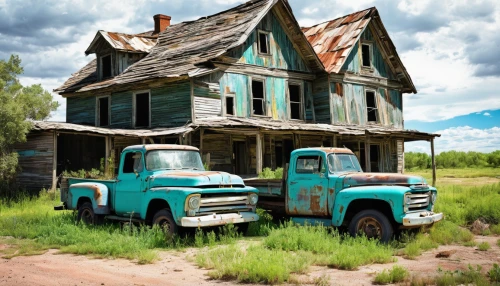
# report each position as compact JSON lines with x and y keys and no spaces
{"x":372,"y":224}
{"x":165,"y":220}
{"x":87,"y":216}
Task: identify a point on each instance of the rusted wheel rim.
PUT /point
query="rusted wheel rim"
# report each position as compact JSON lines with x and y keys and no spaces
{"x":87,"y":216}
{"x":370,"y":227}
{"x":165,"y":225}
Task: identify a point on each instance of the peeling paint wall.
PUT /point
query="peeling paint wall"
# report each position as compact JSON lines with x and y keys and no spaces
{"x":337,"y":100}
{"x":171,"y":105}
{"x":121,"y":110}
{"x":282,"y":52}
{"x":81,"y":110}
{"x":321,"y":96}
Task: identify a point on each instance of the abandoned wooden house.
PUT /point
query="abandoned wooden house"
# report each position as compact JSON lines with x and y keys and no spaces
{"x":247,"y":86}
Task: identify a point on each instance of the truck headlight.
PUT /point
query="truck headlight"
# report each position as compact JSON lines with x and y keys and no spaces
{"x":252,"y":199}
{"x":192,"y":202}
{"x":434,"y":197}
{"x":407,"y":199}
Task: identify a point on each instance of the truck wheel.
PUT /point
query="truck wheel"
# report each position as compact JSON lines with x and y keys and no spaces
{"x":371,"y":223}
{"x":242,"y":227}
{"x":87,"y":216}
{"x":165,"y":220}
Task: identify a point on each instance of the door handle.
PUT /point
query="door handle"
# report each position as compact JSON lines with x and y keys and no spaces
{"x":293,"y":183}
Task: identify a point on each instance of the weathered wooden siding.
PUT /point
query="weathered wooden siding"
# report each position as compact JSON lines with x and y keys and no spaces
{"x":276,"y":102}
{"x":283,"y":54}
{"x":321,"y":97}
{"x":124,"y":60}
{"x":379,"y":65}
{"x":171,"y":105}
{"x":401,"y":156}
{"x":219,"y":147}
{"x":353,"y":61}
{"x":237,"y":84}
{"x":337,"y":101}
{"x":121,"y":110}
{"x":309,"y":102}
{"x":355,"y":104}
{"x":81,"y":110}
{"x":35,"y":160}
{"x":391,"y":107}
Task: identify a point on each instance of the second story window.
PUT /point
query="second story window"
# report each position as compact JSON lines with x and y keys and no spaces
{"x":106,"y":67}
{"x":230,"y":105}
{"x":263,"y":43}
{"x":366,"y":55}
{"x":371,"y":106}
{"x":258,"y":98}
{"x":295,"y":101}
{"x":142,"y":110}
{"x":103,"y":111}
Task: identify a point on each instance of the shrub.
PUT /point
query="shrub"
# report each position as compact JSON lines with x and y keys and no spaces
{"x":394,"y":275}
{"x":483,"y":246}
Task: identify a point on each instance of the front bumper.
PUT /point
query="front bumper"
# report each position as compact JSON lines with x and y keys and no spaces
{"x":421,"y":218}
{"x":219,"y":219}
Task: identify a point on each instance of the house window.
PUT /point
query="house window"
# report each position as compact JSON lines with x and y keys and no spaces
{"x":230,"y":104}
{"x":103,"y":111}
{"x":366,"y":54}
{"x":106,"y":68}
{"x":142,"y":109}
{"x":263,"y":43}
{"x":295,"y":101}
{"x":371,"y":106}
{"x":258,"y":98}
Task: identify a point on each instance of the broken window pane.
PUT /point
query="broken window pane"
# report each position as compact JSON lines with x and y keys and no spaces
{"x":258,"y":100}
{"x":263,"y":43}
{"x":295,"y":101}
{"x":229,"y":105}
{"x":103,"y":119}
{"x":371,"y":106}
{"x":106,"y":66}
{"x":142,"y":110}
{"x":365,"y":51}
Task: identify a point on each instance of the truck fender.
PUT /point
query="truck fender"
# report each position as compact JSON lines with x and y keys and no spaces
{"x":97,"y":193}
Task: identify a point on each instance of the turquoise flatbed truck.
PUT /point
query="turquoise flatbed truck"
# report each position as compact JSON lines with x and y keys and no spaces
{"x":165,"y":185}
{"x":327,"y":186}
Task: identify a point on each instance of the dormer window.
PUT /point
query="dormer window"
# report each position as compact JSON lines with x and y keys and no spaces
{"x":263,"y":43}
{"x":106,"y":67}
{"x":366,"y":55}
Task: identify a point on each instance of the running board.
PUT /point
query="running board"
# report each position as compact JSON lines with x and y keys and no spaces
{"x":122,"y":218}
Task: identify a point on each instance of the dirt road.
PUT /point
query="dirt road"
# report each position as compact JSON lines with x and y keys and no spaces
{"x":174,"y":269}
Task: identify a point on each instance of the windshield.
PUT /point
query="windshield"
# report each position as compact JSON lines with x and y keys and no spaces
{"x":343,"y":163}
{"x":173,"y":160}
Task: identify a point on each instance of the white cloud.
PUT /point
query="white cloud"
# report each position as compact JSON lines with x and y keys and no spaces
{"x":463,"y":138}
{"x":487,"y":114}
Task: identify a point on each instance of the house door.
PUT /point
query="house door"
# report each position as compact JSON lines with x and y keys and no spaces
{"x":239,"y":157}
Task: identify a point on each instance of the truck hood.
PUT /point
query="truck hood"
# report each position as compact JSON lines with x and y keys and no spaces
{"x":365,"y":179}
{"x":193,"y":179}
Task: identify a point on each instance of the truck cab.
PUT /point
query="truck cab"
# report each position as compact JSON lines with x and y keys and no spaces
{"x":165,"y":185}
{"x":327,"y":186}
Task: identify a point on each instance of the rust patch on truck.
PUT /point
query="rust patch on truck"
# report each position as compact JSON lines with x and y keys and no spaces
{"x":315,"y":204}
{"x":341,"y":209}
{"x":332,"y":190}
{"x":95,"y":188}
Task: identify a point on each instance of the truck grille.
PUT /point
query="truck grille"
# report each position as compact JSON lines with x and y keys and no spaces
{"x":419,"y":201}
{"x":224,"y":203}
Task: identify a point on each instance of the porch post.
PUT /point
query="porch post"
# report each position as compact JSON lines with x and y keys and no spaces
{"x":107,"y":140}
{"x":433,"y":163}
{"x":367,"y":153}
{"x":259,"y":153}
{"x":54,"y":162}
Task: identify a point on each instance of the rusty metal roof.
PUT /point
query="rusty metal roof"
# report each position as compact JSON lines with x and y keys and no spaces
{"x":132,"y":43}
{"x":334,"y":40}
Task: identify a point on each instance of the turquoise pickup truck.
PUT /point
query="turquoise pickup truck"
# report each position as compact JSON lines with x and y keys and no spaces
{"x":327,"y":186}
{"x":165,"y":185}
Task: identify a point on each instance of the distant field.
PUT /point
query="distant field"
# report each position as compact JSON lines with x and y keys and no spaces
{"x":462,"y":177}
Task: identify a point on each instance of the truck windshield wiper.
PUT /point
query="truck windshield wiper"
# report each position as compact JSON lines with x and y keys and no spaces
{"x":190,"y":168}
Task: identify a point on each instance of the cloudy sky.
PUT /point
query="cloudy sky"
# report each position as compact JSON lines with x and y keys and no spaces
{"x":449,"y":47}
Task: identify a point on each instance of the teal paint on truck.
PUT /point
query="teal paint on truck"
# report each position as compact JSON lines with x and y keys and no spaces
{"x":328,"y":183}
{"x":157,"y":177}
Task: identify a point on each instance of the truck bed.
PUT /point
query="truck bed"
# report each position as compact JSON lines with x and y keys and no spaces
{"x":271,"y":194}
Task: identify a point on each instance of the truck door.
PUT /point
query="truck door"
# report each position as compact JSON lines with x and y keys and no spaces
{"x":129,"y":193}
{"x":308,"y":185}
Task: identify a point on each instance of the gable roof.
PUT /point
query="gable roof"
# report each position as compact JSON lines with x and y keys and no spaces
{"x":334,"y":40}
{"x":132,"y":43}
{"x":184,"y":48}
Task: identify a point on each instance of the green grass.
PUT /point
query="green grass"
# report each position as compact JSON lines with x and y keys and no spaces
{"x":42,"y":228}
{"x":483,"y":246}
{"x":472,"y":276}
{"x":494,"y":273}
{"x":458,"y":173}
{"x":395,"y":275}
{"x":495,"y":229}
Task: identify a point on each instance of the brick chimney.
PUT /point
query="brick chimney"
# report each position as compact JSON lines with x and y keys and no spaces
{"x":161,"y":22}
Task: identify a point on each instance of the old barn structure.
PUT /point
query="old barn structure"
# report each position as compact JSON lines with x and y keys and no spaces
{"x":246,"y":86}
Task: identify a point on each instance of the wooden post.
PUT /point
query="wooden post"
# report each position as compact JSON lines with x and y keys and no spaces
{"x":54,"y":163}
{"x":107,"y":139}
{"x":334,"y":142}
{"x":258,"y":148}
{"x":201,"y":140}
{"x":433,"y":163}
{"x":368,"y":167}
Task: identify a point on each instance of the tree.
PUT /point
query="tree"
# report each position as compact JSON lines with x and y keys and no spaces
{"x":18,"y":106}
